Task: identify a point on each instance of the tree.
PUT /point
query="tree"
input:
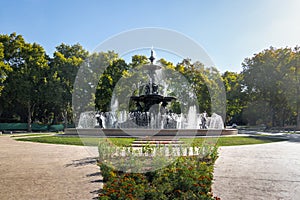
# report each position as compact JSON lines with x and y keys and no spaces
{"x":206,"y":83}
{"x":66,"y":61}
{"x":138,"y":60}
{"x":24,"y":83}
{"x":296,"y":73}
{"x":268,"y":80}
{"x":108,"y":80}
{"x":236,"y":99}
{"x":4,"y":68}
{"x":291,"y":84}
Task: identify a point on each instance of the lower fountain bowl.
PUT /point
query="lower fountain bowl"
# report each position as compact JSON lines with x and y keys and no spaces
{"x":127,"y":132}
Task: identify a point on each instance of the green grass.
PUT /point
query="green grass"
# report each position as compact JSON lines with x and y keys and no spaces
{"x":233,"y":141}
{"x":123,"y":142}
{"x":32,"y":134}
{"x":77,"y":140}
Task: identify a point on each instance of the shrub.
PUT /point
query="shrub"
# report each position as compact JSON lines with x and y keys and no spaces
{"x":188,"y":177}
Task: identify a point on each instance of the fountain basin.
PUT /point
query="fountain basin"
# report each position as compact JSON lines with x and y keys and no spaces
{"x":128,"y":132}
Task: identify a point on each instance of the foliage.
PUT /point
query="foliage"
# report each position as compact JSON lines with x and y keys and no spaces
{"x":35,"y":87}
{"x":35,"y":127}
{"x":207,"y":85}
{"x":188,"y":177}
{"x":128,"y":81}
{"x":236,"y":98}
{"x":271,"y":81}
{"x":25,"y":83}
{"x":87,"y":80}
{"x":108,"y":81}
{"x":39,"y":88}
{"x":63,"y":69}
{"x":4,"y":68}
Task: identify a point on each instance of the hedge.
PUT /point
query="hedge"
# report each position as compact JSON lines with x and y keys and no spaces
{"x":34,"y":127}
{"x":188,"y":177}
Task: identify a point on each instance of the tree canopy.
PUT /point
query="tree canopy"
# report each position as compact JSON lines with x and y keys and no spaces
{"x":271,"y":82}
{"x":36,"y":87}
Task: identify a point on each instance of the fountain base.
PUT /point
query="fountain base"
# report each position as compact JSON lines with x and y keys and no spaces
{"x":127,"y":132}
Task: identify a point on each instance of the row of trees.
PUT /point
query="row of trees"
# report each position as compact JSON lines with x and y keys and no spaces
{"x":37,"y":87}
{"x":271,"y":84}
{"x":267,"y":91}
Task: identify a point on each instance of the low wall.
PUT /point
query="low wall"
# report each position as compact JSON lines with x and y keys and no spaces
{"x":97,"y":132}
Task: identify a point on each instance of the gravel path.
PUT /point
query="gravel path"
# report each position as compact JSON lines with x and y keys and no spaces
{"x":266,"y":171}
{"x":46,"y":171}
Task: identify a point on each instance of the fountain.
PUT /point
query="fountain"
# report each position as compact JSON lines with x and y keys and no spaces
{"x":149,"y":116}
{"x":150,"y":106}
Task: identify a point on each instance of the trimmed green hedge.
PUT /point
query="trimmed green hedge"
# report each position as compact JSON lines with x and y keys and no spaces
{"x":189,"y":177}
{"x":34,"y":127}
{"x":13,"y":126}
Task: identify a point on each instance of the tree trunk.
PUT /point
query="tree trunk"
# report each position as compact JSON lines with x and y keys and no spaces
{"x":298,"y":121}
{"x":66,"y":119}
{"x":272,"y":115}
{"x":29,"y":117}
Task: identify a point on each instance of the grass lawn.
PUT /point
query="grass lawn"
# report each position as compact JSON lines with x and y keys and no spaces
{"x":123,"y":142}
{"x":237,"y":140}
{"x":91,"y":141}
{"x":32,"y":134}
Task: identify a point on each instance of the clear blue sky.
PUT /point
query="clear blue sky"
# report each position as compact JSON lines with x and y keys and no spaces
{"x":229,"y":30}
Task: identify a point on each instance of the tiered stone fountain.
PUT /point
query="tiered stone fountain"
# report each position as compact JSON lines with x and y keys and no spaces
{"x":149,"y":117}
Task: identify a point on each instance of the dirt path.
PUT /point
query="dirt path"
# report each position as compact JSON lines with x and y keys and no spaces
{"x":266,"y":171}
{"x":46,"y":171}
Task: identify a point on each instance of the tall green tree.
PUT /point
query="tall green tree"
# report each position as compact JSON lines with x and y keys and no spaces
{"x":236,"y":99}
{"x":296,"y":72}
{"x":268,"y":80}
{"x":206,"y":83}
{"x":291,"y":84}
{"x":108,"y":80}
{"x":196,"y":83}
{"x":4,"y":68}
{"x":25,"y":82}
{"x":66,"y":61}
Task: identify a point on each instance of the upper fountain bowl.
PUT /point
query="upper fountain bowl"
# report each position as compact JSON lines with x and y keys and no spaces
{"x":152,"y":67}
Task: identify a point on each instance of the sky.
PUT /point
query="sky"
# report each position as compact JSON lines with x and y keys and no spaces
{"x":228,"y":30}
